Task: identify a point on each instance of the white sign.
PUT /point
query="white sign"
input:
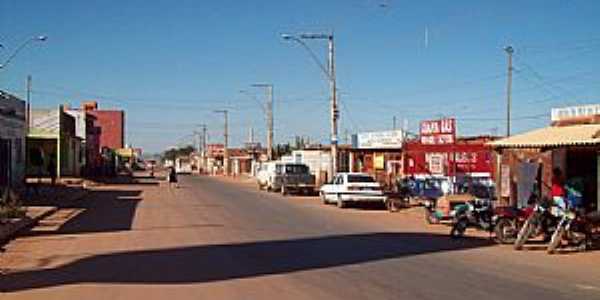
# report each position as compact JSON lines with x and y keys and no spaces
{"x":570,"y":112}
{"x":380,"y":140}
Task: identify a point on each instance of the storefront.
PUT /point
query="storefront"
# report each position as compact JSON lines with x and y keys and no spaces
{"x":526,"y":162}
{"x":12,"y":140}
{"x":378,"y":154}
{"x":51,"y":141}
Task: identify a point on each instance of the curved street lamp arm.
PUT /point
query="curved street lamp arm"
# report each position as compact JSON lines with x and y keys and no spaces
{"x":313,"y":56}
{"x":10,"y":58}
{"x":262,"y":106}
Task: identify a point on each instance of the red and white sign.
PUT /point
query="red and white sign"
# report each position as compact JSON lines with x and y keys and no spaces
{"x":213,"y":150}
{"x":438,"y":132}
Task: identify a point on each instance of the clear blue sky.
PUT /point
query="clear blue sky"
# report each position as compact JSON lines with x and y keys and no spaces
{"x":170,"y":63}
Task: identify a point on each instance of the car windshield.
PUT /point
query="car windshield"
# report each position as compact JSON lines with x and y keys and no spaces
{"x":360,"y":178}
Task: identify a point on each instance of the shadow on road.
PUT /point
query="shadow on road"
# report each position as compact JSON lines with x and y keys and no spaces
{"x":210,"y":263}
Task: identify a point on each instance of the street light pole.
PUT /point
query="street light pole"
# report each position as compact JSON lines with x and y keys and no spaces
{"x":269,"y":112}
{"x":226,"y":137}
{"x":334,"y":108}
{"x":330,"y":73}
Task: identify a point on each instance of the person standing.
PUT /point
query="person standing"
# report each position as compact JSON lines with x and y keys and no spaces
{"x":52,"y":171}
{"x":173,"y":178}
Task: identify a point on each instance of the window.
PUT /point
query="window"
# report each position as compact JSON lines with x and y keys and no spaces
{"x":360,"y":178}
{"x":296,"y":169}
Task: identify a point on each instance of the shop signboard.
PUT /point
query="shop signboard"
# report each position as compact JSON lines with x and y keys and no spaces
{"x":392,"y":139}
{"x":214,"y":150}
{"x":563,"y":113}
{"x":438,"y":132}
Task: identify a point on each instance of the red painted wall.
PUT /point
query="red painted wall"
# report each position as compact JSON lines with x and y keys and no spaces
{"x":472,"y":156}
{"x":112,"y":127}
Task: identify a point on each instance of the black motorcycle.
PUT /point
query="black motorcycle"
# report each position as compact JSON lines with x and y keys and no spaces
{"x":477,"y":214}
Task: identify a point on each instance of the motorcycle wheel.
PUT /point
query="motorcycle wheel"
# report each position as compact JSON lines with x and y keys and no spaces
{"x":391,"y":205}
{"x":555,"y":240}
{"x":430,"y":218}
{"x":505,"y":231}
{"x":524,"y":234}
{"x":459,"y":228}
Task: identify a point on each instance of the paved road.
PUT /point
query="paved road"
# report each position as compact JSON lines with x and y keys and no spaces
{"x":217,"y":239}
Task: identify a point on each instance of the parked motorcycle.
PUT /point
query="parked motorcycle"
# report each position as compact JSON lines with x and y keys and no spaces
{"x":507,"y":222}
{"x":577,"y":228}
{"x":478,"y":214}
{"x":541,"y":221}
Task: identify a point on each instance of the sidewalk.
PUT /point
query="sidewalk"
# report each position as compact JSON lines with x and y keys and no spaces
{"x":47,"y":201}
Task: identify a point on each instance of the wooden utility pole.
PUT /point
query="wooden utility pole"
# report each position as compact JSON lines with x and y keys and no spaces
{"x":509,"y":50}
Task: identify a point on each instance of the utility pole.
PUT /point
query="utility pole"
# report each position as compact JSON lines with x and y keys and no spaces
{"x":330,"y":73}
{"x":203,"y":147}
{"x":28,"y":107}
{"x":226,"y":138}
{"x":509,"y":50}
{"x":269,"y":112}
{"x":334,"y":108}
{"x":394,"y":126}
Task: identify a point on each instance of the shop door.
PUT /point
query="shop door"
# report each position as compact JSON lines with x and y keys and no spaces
{"x":4,"y":162}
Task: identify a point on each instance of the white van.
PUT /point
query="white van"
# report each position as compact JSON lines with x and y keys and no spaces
{"x":183,"y":165}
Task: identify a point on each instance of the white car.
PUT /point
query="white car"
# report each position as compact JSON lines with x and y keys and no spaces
{"x":352,"y":187}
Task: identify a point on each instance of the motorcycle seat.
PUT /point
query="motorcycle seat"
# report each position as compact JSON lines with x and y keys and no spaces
{"x":593,"y":217}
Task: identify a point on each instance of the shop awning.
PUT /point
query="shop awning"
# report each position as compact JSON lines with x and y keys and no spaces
{"x":553,"y":137}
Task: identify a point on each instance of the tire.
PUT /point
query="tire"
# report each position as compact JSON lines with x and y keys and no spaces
{"x":340,"y":203}
{"x":459,"y":228}
{"x":524,"y":234}
{"x":555,"y":240}
{"x":505,"y":231}
{"x":391,"y":206}
{"x":323,"y":198}
{"x":430,"y":218}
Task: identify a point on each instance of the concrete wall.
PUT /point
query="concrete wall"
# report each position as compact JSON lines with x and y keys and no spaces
{"x":112,"y":127}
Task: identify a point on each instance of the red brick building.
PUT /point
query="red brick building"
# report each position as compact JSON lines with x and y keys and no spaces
{"x":111,"y":124}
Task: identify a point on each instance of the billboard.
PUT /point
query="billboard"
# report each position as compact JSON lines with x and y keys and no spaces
{"x":559,"y":114}
{"x":391,"y":139}
{"x":438,"y":132}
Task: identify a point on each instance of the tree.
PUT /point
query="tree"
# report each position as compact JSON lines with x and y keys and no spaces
{"x":174,"y":153}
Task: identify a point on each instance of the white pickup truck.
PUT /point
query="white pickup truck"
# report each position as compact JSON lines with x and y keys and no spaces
{"x":286,"y":178}
{"x":351,"y":188}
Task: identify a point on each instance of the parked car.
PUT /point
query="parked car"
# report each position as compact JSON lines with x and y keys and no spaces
{"x":286,"y":178}
{"x":264,"y":173}
{"x":350,"y":188}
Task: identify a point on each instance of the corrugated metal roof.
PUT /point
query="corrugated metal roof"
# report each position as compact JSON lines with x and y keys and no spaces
{"x":549,"y":137}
